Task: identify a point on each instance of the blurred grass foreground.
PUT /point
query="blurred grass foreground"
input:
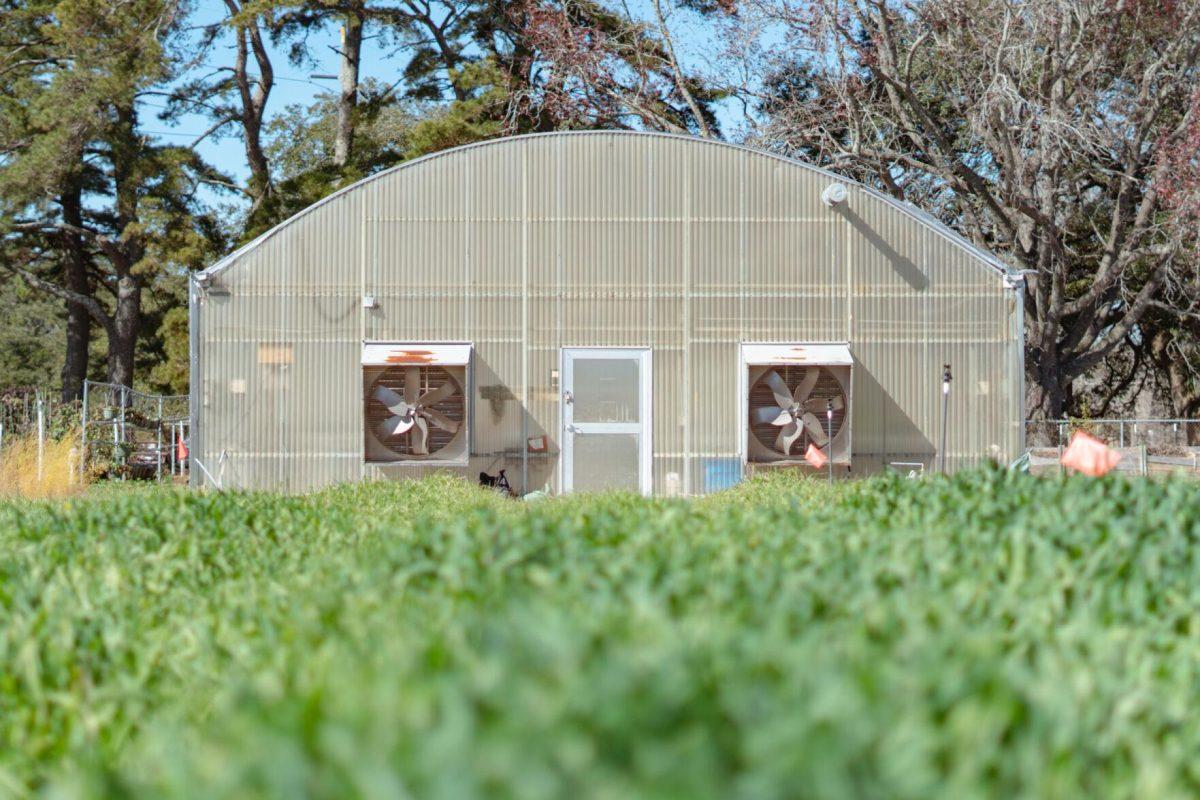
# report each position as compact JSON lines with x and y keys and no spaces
{"x":989,"y":635}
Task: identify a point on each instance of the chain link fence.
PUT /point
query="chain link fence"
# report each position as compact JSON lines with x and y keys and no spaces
{"x":1159,"y":436}
{"x":1157,"y":445}
{"x":19,"y":408}
{"x":121,"y":433}
{"x":130,"y":434}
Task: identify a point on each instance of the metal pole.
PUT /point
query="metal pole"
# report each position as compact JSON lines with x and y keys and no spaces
{"x":83,"y":423}
{"x":1122,"y":433}
{"x":158,"y":444}
{"x":946,"y":378}
{"x":124,"y":430}
{"x":829,"y":427}
{"x":172,"y":453}
{"x":124,"y":402}
{"x":41,"y":434}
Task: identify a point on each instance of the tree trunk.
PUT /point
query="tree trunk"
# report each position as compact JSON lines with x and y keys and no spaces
{"x":75,"y":278}
{"x":127,"y":323}
{"x":352,"y":34}
{"x":253,"y":92}
{"x":1185,"y":391}
{"x":127,"y":315}
{"x":253,"y":104}
{"x":1047,"y":394}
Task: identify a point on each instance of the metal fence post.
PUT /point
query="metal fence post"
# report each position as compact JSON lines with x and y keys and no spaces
{"x":124,"y":403}
{"x":41,"y":438}
{"x":158,"y":444}
{"x":83,"y":423}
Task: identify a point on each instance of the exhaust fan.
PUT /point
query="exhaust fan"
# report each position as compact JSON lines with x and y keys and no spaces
{"x":789,"y":405}
{"x":790,"y":391}
{"x":415,"y":412}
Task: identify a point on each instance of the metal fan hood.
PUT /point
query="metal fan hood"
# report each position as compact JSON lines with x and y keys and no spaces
{"x":790,"y":388}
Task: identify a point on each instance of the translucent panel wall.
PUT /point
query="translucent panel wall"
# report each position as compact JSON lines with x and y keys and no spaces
{"x":527,"y":245}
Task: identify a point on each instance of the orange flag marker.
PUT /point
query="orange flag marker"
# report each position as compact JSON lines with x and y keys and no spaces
{"x":815,"y":457}
{"x":181,"y":450}
{"x":1089,"y":455}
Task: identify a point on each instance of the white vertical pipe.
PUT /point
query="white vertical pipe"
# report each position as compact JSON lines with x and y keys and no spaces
{"x":83,"y":423}
{"x":158,"y":444}
{"x":687,"y":324}
{"x":41,"y":434}
{"x":525,"y":320}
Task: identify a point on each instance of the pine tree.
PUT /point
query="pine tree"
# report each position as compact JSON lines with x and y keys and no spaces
{"x":102,"y":215}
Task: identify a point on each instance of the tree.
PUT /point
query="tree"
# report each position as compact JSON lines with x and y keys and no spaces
{"x":1044,"y":130}
{"x":449,"y":47}
{"x":93,"y":213}
{"x":26,"y":101}
{"x":29,"y":336}
{"x":293,"y":21}
{"x":597,"y":65}
{"x":301,"y":141}
{"x":252,"y":93}
{"x":234,"y":94}
{"x":170,"y":373}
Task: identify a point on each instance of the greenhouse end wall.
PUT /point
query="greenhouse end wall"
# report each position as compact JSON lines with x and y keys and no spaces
{"x":527,"y":245}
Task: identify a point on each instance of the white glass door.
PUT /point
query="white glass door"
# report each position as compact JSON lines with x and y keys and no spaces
{"x":606,"y":419}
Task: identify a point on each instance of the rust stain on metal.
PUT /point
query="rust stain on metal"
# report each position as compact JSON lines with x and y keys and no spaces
{"x":410,"y":357}
{"x":801,"y":355}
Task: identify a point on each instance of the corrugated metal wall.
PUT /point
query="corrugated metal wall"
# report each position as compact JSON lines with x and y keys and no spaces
{"x":527,"y":245}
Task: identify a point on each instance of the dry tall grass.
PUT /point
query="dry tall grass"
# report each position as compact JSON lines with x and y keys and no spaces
{"x":21,"y":477}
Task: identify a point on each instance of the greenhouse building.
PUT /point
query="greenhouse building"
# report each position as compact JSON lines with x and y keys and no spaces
{"x":599,"y":310}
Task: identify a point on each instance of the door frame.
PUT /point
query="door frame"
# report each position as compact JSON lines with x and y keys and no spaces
{"x":644,"y":426}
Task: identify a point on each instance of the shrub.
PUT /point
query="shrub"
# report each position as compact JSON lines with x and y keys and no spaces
{"x":23,"y":474}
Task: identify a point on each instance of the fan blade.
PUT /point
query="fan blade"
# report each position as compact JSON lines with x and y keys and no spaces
{"x":786,"y":438}
{"x":412,"y":384}
{"x":394,"y":426}
{"x":420,"y":437}
{"x":771,"y":414}
{"x":778,"y":388}
{"x":815,"y":431}
{"x":440,"y":420}
{"x":393,"y":401}
{"x":838,"y":403}
{"x":435,"y":396}
{"x":804,"y":389}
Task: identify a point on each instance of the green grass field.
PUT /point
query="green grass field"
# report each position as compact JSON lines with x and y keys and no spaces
{"x":993,"y":635}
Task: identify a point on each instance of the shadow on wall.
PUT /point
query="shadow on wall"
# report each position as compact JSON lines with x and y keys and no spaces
{"x":893,"y":436}
{"x":500,"y":429}
{"x":905,"y":268}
